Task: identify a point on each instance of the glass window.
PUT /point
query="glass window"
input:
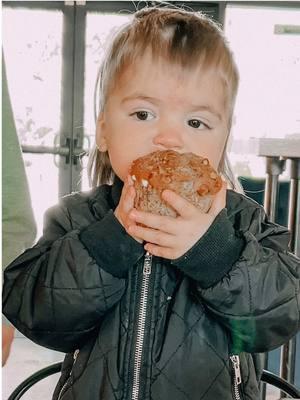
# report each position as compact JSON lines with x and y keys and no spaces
{"x":99,"y":28}
{"x":42,"y":176}
{"x":267,"y":51}
{"x":33,"y":62}
{"x":33,"y":59}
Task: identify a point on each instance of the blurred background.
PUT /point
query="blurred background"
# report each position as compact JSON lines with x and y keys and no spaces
{"x":52,"y":52}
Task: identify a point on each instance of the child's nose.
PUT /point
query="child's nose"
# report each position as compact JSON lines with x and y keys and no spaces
{"x":169,"y":138}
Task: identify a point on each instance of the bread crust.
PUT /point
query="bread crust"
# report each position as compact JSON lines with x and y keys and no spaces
{"x":187,"y":174}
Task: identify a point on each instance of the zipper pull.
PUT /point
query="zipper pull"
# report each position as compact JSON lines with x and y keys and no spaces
{"x":75,"y":355}
{"x":76,"y":352}
{"x":237,"y":371}
{"x":147,"y":264}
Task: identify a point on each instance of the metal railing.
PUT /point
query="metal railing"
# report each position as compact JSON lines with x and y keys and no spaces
{"x":277,"y":152}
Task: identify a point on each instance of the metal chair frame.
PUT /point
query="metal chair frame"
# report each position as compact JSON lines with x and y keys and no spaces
{"x":267,"y":377}
{"x":43,"y":373}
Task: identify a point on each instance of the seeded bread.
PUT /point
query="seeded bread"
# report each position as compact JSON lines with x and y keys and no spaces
{"x":187,"y":174}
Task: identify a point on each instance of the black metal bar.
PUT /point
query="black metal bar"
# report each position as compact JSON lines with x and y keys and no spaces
{"x":288,"y":350}
{"x":67,"y":98}
{"x":274,"y":167}
{"x":294,"y":205}
{"x":35,"y":5}
{"x":280,"y":383}
{"x":33,"y":379}
{"x":271,"y":192}
{"x":265,"y":4}
{"x":287,"y":361}
{"x":78,"y":98}
{"x":128,"y":7}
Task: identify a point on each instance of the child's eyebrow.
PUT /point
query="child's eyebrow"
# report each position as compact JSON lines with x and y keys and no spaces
{"x":210,"y":109}
{"x":137,"y":96}
{"x":191,"y":107}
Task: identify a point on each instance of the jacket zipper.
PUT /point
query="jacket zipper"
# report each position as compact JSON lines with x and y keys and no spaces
{"x":62,"y":390}
{"x":141,"y":326}
{"x":237,"y":379}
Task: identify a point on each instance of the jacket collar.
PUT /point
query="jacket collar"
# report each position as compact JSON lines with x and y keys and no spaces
{"x":116,"y":191}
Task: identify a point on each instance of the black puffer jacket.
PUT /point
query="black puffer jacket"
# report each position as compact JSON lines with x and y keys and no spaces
{"x":142,"y":328}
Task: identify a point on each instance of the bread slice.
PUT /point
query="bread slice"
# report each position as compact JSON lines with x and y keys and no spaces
{"x":187,"y":174}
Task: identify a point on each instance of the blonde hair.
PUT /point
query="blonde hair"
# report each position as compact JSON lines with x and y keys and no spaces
{"x":179,"y":37}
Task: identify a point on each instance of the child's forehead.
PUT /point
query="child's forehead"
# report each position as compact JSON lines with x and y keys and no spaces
{"x":167,"y":83}
{"x":148,"y":70}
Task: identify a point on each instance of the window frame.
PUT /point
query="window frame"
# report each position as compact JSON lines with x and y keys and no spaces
{"x":70,"y":144}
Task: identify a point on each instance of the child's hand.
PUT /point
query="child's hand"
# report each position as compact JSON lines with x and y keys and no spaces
{"x":125,"y":205}
{"x":170,"y":237}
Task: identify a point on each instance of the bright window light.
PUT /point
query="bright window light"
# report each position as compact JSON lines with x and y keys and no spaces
{"x":266,"y":44}
{"x":32,"y":42}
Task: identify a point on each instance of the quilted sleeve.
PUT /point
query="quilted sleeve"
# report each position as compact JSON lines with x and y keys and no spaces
{"x":57,"y":292}
{"x":250,"y":284}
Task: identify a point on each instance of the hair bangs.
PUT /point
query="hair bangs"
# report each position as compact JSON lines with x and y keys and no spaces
{"x":178,"y":37}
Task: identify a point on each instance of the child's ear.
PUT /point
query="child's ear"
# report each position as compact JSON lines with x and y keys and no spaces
{"x":101,"y":133}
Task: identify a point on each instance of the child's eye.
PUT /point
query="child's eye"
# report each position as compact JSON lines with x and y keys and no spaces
{"x":143,"y":115}
{"x":197,"y":124}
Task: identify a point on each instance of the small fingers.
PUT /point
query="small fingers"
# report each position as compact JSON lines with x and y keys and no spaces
{"x":129,"y":195}
{"x":155,"y":221}
{"x":183,"y":207}
{"x":126,"y":204}
{"x":151,"y":235}
{"x":159,"y":251}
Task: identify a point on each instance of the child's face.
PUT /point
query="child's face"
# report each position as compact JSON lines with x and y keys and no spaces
{"x":158,"y":106}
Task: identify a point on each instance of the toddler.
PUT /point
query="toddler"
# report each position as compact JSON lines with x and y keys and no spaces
{"x":150,"y":307}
